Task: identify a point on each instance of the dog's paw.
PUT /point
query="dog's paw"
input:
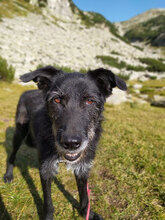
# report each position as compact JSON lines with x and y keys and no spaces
{"x":8,"y":178}
{"x":48,"y":213}
{"x":97,"y":217}
{"x":48,"y":216}
{"x":92,"y":216}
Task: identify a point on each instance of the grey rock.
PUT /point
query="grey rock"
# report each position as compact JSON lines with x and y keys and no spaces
{"x":158,"y":101}
{"x":118,"y":97}
{"x":141,"y":101}
{"x":144,"y":96}
{"x":143,"y":78}
{"x":137,"y":91}
{"x":137,"y":86}
{"x":158,"y":98}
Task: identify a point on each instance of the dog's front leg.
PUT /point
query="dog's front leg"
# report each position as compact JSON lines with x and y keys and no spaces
{"x":83,"y":194}
{"x":48,"y":205}
{"x":82,"y":189}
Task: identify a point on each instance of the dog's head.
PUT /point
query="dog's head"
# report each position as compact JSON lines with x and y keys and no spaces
{"x":75,"y":103}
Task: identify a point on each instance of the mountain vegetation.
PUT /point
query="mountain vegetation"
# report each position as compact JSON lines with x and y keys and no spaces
{"x":153,"y":64}
{"x":151,"y":31}
{"x":10,"y":8}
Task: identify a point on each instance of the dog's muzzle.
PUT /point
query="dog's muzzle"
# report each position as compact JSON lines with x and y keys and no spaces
{"x":71,"y":148}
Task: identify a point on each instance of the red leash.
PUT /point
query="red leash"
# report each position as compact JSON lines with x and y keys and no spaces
{"x":88,"y":210}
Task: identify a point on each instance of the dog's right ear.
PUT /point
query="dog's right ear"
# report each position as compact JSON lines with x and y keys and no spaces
{"x":106,"y":81}
{"x":43,"y":76}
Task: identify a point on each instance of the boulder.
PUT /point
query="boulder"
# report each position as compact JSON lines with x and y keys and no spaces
{"x":158,"y":101}
{"x":118,"y":97}
{"x":137,"y":86}
{"x":144,"y":96}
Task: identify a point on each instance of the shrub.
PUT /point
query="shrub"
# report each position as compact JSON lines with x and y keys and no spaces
{"x":111,"y":61}
{"x":136,"y":68}
{"x":153,"y":64}
{"x":83,"y":70}
{"x":114,"y":52}
{"x":42,"y":3}
{"x":153,"y":77}
{"x":137,"y":47}
{"x":40,"y":66}
{"x":6,"y":71}
{"x":124,"y":76}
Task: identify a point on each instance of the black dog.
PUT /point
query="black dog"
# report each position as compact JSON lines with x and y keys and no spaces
{"x":63,"y":120}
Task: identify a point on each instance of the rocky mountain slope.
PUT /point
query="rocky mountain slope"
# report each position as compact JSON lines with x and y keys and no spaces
{"x":56,"y":35}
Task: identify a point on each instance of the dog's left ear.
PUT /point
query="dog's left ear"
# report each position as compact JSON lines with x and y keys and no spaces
{"x":43,"y":76}
{"x":106,"y":80}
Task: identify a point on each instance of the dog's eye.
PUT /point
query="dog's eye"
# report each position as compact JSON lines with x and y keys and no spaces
{"x":89,"y":101}
{"x":57,"y":100}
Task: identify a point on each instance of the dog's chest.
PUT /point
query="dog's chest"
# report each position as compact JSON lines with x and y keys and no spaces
{"x":79,"y":168}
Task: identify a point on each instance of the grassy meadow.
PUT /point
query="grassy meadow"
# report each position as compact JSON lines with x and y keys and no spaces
{"x":127,"y":180}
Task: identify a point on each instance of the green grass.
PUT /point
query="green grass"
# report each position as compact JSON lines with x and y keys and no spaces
{"x":153,"y":87}
{"x":149,"y":87}
{"x":10,"y":8}
{"x":127,"y":179}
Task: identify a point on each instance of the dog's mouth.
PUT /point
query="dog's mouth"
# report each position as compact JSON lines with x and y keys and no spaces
{"x":72,"y":156}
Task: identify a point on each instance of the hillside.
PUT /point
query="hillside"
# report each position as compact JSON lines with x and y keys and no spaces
{"x":60,"y":34}
{"x":148,"y":27}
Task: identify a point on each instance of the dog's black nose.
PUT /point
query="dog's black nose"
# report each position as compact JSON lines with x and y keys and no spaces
{"x":71,"y":143}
